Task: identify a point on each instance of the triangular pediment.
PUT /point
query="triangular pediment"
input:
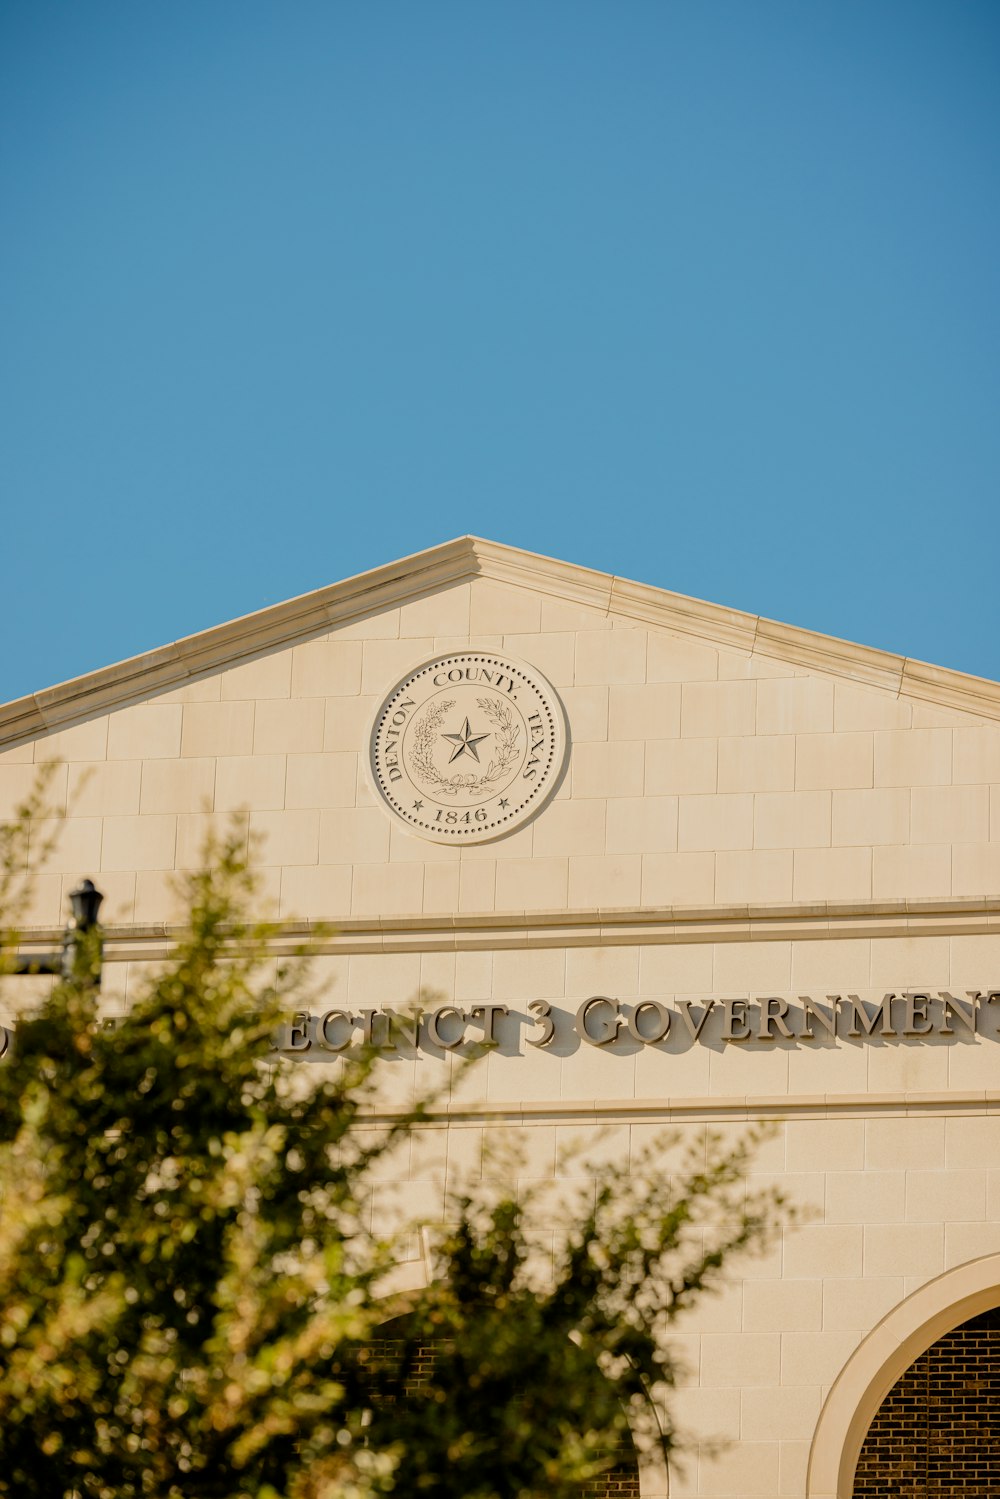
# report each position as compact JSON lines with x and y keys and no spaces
{"x":440,"y":568}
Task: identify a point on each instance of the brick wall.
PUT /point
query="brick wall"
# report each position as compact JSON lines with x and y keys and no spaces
{"x":619,"y":1482}
{"x":937,"y":1433}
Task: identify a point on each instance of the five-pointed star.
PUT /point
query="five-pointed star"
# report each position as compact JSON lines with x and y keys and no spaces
{"x":504,"y":802}
{"x":417,"y":806}
{"x":466,"y":740}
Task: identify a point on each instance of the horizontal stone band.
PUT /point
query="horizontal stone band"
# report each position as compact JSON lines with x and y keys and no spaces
{"x":611,"y":927}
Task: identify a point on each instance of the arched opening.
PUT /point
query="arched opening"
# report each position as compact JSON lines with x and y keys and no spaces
{"x":410,"y":1367}
{"x":946,"y":1303}
{"x":935,"y":1434}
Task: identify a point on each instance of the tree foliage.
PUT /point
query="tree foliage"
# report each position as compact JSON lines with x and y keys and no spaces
{"x":192,"y":1302}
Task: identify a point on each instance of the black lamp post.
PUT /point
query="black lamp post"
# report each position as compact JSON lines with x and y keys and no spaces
{"x":85,"y":902}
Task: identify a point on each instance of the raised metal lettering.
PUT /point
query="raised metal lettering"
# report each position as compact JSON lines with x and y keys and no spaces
{"x":403,"y":1026}
{"x":366,"y":1019}
{"x":612,"y":1024}
{"x":433,"y":1020}
{"x":489,"y":1015}
{"x":811,"y":1011}
{"x":695,"y":1027}
{"x":736,"y":1026}
{"x":297,"y":1036}
{"x":917,"y":1022}
{"x":323,"y":1033}
{"x":772,"y":1013}
{"x":542,"y":1011}
{"x":870,"y":1023}
{"x":661,"y":1025}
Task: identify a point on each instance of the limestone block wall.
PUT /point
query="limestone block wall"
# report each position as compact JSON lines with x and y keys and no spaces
{"x":894,"y":1201}
{"x":697,"y":775}
{"x":888,"y":1147}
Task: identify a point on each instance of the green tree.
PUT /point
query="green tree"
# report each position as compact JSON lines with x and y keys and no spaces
{"x":191,"y":1302}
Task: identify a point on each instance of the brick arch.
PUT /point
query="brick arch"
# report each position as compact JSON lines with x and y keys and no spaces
{"x":935,"y":1433}
{"x":880,"y":1360}
{"x":411,"y":1276}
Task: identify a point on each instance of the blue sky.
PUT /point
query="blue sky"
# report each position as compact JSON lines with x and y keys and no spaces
{"x":701,"y":293}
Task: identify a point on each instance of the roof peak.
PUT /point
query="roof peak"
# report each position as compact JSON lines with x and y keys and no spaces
{"x":465,"y":557}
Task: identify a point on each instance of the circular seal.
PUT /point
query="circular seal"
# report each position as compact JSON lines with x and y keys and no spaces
{"x":468,"y":746}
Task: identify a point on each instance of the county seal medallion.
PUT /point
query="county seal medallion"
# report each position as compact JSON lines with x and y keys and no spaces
{"x":468,"y":746}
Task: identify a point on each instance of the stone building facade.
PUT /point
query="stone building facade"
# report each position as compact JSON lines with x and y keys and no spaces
{"x":770,"y":862}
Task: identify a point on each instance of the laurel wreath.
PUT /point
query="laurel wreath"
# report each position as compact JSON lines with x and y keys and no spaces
{"x":425,"y":732}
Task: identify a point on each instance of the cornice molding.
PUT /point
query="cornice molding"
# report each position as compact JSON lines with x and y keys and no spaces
{"x":238,"y":640}
{"x":609,"y":927}
{"x":740,"y":1108}
{"x":182,"y":661}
